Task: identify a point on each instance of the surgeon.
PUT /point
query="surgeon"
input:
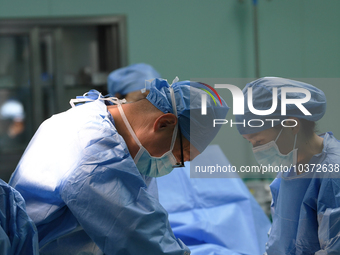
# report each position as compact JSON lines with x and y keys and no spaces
{"x":306,"y":204}
{"x":242,"y":225}
{"x":84,"y":173}
{"x":18,"y":234}
{"x":132,"y":83}
{"x":127,"y":82}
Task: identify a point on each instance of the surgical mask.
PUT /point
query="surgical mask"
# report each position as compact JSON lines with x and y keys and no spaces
{"x":269,"y":154}
{"x":150,"y":165}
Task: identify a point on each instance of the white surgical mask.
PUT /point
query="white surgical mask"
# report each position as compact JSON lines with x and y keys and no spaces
{"x":147,"y":164}
{"x":269,"y":154}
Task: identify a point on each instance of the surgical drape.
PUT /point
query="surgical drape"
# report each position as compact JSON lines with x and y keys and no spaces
{"x":213,"y":215}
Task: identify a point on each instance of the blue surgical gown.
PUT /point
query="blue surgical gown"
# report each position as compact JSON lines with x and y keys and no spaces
{"x":306,"y":207}
{"x":213,"y":216}
{"x":84,"y":192}
{"x":18,"y":234}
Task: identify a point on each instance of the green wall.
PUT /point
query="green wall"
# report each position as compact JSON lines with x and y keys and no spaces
{"x":214,"y":39}
{"x":200,"y":38}
{"x":184,"y":38}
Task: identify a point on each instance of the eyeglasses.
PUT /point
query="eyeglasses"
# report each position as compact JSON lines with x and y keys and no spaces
{"x":181,"y":164}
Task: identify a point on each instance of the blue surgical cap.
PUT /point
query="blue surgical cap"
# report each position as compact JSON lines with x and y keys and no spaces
{"x":262,"y":100}
{"x":131,"y":78}
{"x":195,"y":127}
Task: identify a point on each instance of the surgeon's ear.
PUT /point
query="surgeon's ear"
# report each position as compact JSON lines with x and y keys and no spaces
{"x":165,"y":121}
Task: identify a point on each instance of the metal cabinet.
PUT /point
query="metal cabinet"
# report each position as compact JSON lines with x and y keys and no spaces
{"x":46,"y":62}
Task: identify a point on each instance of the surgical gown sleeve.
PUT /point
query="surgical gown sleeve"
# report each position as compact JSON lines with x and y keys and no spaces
{"x":109,"y":198}
{"x":329,"y":217}
{"x":18,"y":234}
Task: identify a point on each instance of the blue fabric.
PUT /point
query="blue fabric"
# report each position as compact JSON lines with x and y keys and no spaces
{"x":306,"y":209}
{"x":262,"y":100}
{"x":131,"y":78}
{"x":213,"y":216}
{"x":92,"y":94}
{"x":211,"y":249}
{"x":84,"y":192}
{"x":197,"y":128}
{"x":18,"y":234}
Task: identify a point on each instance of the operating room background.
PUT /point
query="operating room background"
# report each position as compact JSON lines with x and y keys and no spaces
{"x":215,"y":39}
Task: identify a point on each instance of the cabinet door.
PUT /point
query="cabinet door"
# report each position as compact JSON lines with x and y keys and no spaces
{"x":26,"y":91}
{"x":43,"y":64}
{"x":16,"y":96}
{"x":85,"y":55}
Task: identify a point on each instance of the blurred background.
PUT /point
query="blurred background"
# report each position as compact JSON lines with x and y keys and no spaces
{"x":53,"y":50}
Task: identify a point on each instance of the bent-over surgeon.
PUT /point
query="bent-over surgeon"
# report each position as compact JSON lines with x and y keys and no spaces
{"x":86,"y":173}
